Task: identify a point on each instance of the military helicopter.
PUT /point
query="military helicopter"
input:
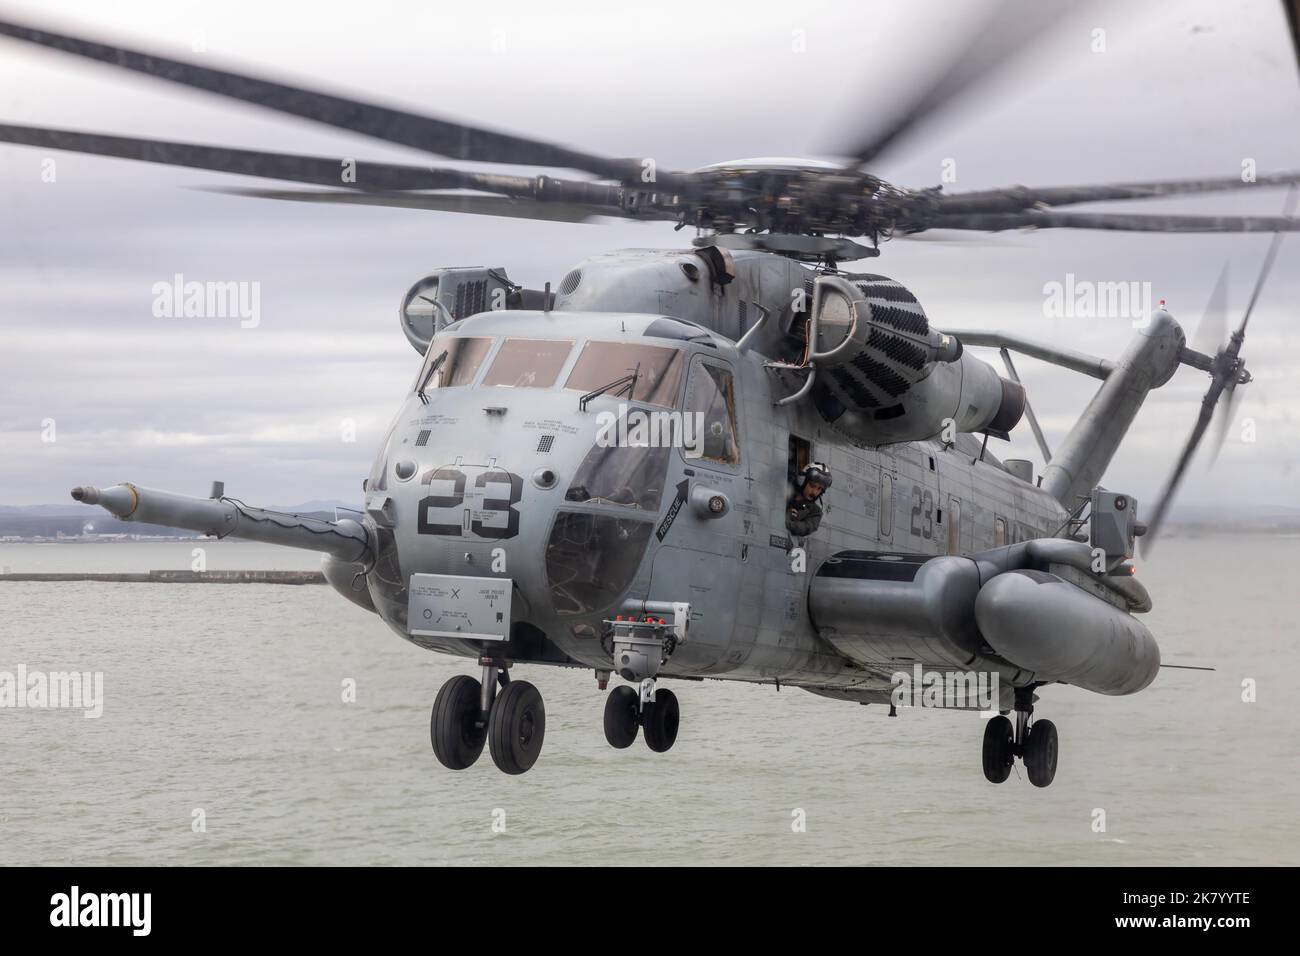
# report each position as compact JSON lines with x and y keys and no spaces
{"x":597,"y":476}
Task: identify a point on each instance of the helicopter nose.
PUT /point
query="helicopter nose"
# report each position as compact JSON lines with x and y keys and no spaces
{"x":511,"y":484}
{"x":471,"y":505}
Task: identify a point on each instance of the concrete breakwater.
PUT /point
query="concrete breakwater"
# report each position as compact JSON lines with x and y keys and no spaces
{"x":175,"y":577}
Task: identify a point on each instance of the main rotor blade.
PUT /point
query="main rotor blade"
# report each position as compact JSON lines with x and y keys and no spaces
{"x":317,"y":170}
{"x":1013,"y":25}
{"x":440,"y":202}
{"x":244,"y":162}
{"x":1017,"y":198}
{"x":1123,"y":222}
{"x":442,"y":137}
{"x":1292,"y":8}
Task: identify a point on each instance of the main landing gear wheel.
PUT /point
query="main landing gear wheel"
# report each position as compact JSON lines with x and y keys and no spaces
{"x":621,"y":717}
{"x":1040,"y":753}
{"x":999,"y":749}
{"x":455,"y":727}
{"x":660,"y":719}
{"x":1034,"y":742}
{"x":516,"y":727}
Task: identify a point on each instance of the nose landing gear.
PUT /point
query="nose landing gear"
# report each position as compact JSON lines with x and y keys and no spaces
{"x":626,"y":714}
{"x":639,"y":648}
{"x":509,"y":717}
{"x":1036,"y":743}
{"x":457,"y":732}
{"x":469,"y":713}
{"x":622,"y":716}
{"x":660,"y":718}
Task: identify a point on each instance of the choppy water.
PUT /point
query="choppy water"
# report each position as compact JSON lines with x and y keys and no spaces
{"x":228,"y":699}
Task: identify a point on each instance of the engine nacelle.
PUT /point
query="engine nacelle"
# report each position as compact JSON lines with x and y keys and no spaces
{"x":885,"y":374}
{"x":449,"y":295}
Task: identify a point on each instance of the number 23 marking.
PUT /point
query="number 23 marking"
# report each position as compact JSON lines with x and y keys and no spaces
{"x":922,"y":512}
{"x":504,"y":506}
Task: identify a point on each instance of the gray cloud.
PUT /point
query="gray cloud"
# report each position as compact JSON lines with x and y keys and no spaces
{"x":1182,"y":90}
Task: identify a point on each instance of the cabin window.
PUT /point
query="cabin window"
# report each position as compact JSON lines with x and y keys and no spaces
{"x":528,"y":363}
{"x":886,"y":505}
{"x":999,"y":531}
{"x":954,"y":526}
{"x":654,"y":373}
{"x":799,"y":456}
{"x":712,"y":393}
{"x":452,"y":361}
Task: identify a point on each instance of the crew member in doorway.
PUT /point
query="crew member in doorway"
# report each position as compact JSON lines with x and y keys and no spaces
{"x":803,"y":510}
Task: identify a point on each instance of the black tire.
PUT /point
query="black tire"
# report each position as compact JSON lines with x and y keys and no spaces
{"x":457,"y":742}
{"x":517,"y":727}
{"x":1040,"y":753}
{"x":660,"y":720}
{"x":622,"y":716}
{"x":999,"y":752}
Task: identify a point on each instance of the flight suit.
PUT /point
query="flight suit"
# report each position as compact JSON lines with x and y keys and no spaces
{"x":807,"y":514}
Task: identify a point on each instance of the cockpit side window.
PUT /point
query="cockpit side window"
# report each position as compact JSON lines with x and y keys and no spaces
{"x":653,"y":373}
{"x":712,"y":393}
{"x":452,"y":361}
{"x":592,"y":558}
{"x":528,"y":363}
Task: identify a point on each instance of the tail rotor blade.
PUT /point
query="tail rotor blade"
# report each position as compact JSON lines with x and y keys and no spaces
{"x":1211,"y":333}
{"x":1226,"y":419}
{"x":1269,"y":258}
{"x":1175,"y":479}
{"x":1227,"y":372}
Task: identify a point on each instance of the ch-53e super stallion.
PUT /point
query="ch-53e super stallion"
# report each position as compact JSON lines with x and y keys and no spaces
{"x":520,"y":510}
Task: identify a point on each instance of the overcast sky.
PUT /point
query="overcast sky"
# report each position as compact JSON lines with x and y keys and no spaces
{"x":1181,"y":89}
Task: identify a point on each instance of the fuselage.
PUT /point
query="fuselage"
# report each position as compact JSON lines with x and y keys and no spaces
{"x":496,"y":470}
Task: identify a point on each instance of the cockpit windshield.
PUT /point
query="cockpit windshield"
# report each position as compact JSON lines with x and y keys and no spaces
{"x":653,"y":373}
{"x":528,"y":363}
{"x":452,"y":361}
